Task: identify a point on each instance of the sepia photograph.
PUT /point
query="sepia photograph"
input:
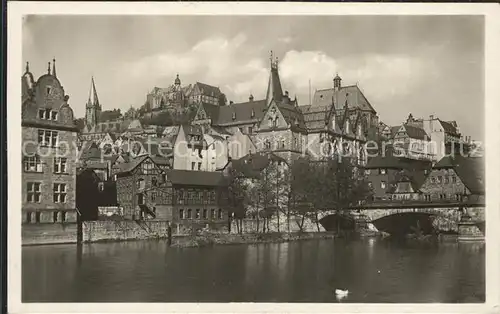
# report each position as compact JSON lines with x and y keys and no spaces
{"x":251,"y":158}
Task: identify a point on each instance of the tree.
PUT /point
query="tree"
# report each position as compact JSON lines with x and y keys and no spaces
{"x":131,"y":113}
{"x":234,"y":197}
{"x":325,"y":185}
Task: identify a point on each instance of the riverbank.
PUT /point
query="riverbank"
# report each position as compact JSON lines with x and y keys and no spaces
{"x":210,"y":239}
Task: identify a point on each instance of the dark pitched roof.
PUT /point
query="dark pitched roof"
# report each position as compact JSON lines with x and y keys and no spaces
{"x":191,"y":177}
{"x":316,"y":117}
{"x":131,"y":164}
{"x":212,"y":111}
{"x":416,"y":132}
{"x":415,"y":177}
{"x":251,"y":165}
{"x":208,"y":89}
{"x":470,"y":170}
{"x":392,"y":162}
{"x":292,"y":115}
{"x":352,"y":94}
{"x":242,"y":112}
{"x":449,"y":127}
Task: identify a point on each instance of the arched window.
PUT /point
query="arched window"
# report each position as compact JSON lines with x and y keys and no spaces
{"x":189,"y":216}
{"x":181,"y":213}
{"x":219,"y":214}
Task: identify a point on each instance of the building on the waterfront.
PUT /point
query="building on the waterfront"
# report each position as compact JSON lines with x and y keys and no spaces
{"x":455,"y":178}
{"x":49,"y":137}
{"x":383,"y":173}
{"x":145,"y":191}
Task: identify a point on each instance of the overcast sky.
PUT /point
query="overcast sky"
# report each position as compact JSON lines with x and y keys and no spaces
{"x":419,"y":64}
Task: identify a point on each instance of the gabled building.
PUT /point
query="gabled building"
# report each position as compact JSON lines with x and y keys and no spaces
{"x":337,"y":121}
{"x":383,"y":173}
{"x":49,"y":135}
{"x":455,"y":178}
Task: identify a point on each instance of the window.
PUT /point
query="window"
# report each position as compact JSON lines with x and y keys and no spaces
{"x":60,"y":165}
{"x":446,"y":179}
{"x":154,"y":181}
{"x":197,"y":214}
{"x":241,"y":130}
{"x":454,"y":179}
{"x":54,"y":218}
{"x":153,"y":196}
{"x":199,"y":166}
{"x":250,"y":129}
{"x":433,"y":179}
{"x":439,"y":179}
{"x":370,"y":185}
{"x":34,"y":192}
{"x":53,"y":115}
{"x":382,"y":185}
{"x":282,"y":143}
{"x":140,"y":185}
{"x":28,"y":217}
{"x":37,"y":217}
{"x":382,"y":171}
{"x":100,"y":186}
{"x":48,"y":138}
{"x":32,"y":164}
{"x":47,"y":114}
{"x":189,"y":214}
{"x":59,"y":193}
{"x":205,"y":213}
{"x":267,"y":144}
{"x":220,"y":214}
{"x":212,"y":213}
{"x":48,"y":89}
{"x":193,"y":164}
{"x":212,"y":197}
{"x":140,"y":199}
{"x":367,"y":171}
{"x":181,"y":213}
{"x":147,"y":168}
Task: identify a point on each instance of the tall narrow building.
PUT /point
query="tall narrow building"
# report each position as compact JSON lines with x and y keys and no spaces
{"x":49,"y":135}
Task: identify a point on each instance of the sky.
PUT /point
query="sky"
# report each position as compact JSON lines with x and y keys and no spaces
{"x":424,"y":65}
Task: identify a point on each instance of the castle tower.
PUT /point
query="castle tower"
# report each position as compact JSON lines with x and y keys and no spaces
{"x":337,"y":82}
{"x":93,"y":107}
{"x":274,"y":90}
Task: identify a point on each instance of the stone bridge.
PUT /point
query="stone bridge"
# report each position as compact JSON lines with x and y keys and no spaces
{"x":390,"y":218}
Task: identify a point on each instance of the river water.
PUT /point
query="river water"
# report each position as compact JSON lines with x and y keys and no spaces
{"x":307,"y":271}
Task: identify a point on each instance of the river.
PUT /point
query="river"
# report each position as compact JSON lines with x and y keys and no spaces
{"x":374,"y":271}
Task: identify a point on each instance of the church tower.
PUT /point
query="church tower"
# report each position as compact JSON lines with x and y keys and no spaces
{"x":93,"y":108}
{"x":274,"y":90}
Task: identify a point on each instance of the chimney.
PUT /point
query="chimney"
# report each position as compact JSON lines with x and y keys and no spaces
{"x":431,"y":123}
{"x":250,"y":98}
{"x":231,"y":102}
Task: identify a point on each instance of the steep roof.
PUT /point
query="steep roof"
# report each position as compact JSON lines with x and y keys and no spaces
{"x":416,"y":132}
{"x":392,"y":162}
{"x":131,"y":164}
{"x":316,"y":117}
{"x":189,"y":177}
{"x":208,"y":90}
{"x":242,"y":112}
{"x":251,"y":165}
{"x":274,"y":90}
{"x":292,"y":115}
{"x":350,"y":94}
{"x":448,"y":127}
{"x":470,"y":170}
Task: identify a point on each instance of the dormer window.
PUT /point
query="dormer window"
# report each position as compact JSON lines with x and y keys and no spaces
{"x":252,"y":114}
{"x":48,"y":89}
{"x":47,"y":114}
{"x":347,"y":127}
{"x":234,"y":115}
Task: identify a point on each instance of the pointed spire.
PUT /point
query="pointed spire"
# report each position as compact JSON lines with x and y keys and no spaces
{"x":93,"y":99}
{"x":27,"y":66}
{"x":274,"y":90}
{"x":54,"y":67}
{"x":48,"y":69}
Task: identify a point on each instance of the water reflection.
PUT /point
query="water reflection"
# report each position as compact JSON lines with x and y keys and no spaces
{"x":308,"y":271}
